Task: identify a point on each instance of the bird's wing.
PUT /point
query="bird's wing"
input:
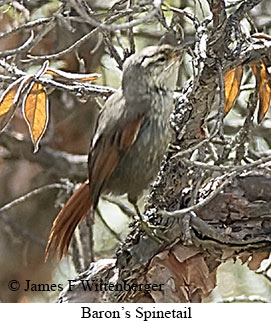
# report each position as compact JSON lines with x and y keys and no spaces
{"x":110,"y":144}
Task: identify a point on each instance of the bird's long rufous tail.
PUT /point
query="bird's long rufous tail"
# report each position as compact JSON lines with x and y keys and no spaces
{"x":74,"y":211}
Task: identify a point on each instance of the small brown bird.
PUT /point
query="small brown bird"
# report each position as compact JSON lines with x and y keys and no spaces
{"x":131,"y":136}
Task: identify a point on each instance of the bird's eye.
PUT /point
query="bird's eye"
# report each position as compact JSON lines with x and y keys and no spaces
{"x":161,"y":59}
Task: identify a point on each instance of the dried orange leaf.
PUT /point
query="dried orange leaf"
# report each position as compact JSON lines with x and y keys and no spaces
{"x":254,"y":70}
{"x":35,"y":110}
{"x":8,"y":96}
{"x":263,"y":80}
{"x":9,"y":100}
{"x":232,"y":81}
{"x":70,"y":77}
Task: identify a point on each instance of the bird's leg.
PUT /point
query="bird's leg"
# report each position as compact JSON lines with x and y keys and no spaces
{"x":144,"y":225}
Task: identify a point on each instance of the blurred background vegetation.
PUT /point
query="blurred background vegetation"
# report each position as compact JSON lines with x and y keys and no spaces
{"x":24,"y":229}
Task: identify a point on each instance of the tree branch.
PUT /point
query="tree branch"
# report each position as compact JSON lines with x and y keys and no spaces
{"x":56,"y":162}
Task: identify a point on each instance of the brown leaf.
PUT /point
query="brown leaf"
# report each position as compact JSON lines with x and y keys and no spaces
{"x":35,"y":110}
{"x":183,"y":273}
{"x":67,"y":77}
{"x":263,"y":81}
{"x":256,"y":260}
{"x":232,"y":81}
{"x":183,"y":253}
{"x":227,"y":254}
{"x":10,"y":99}
{"x":244,"y":257}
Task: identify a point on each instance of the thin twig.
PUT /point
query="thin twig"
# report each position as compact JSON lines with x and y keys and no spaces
{"x":59,"y":163}
{"x":80,"y":41}
{"x":227,"y":178}
{"x":14,"y":227}
{"x":42,"y":33}
{"x":114,"y":233}
{"x":28,"y":25}
{"x":22,"y":48}
{"x":130,"y":32}
{"x":68,"y":50}
{"x":20,"y":231}
{"x":221,"y":105}
{"x":114,"y":27}
{"x":122,"y":206}
{"x":77,"y":87}
{"x":31,"y":194}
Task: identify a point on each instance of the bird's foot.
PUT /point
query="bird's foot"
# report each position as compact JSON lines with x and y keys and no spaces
{"x":147,"y":227}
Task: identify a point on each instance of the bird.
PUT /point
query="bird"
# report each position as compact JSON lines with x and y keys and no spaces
{"x":130,"y":138}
